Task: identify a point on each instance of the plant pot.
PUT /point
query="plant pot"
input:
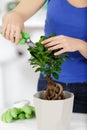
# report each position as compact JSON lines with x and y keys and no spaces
{"x":53,"y":114}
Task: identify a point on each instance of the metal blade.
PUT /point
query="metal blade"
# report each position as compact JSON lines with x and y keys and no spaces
{"x":30,"y":43}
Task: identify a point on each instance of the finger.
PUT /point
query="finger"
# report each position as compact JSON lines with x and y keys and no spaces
{"x":12,"y":33}
{"x":53,"y":43}
{"x":3,"y":26}
{"x":4,"y":29}
{"x":12,"y":36}
{"x":7,"y":32}
{"x":48,"y":40}
{"x":56,"y":47}
{"x":60,"y":52}
{"x":17,"y":35}
{"x":53,"y":38}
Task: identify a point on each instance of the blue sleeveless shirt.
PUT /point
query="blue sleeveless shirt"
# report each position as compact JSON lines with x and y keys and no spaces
{"x":65,"y":19}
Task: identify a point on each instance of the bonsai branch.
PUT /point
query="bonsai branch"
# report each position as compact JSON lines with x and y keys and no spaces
{"x":54,"y":90}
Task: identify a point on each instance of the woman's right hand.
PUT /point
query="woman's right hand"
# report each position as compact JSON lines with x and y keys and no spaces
{"x":12,"y":25}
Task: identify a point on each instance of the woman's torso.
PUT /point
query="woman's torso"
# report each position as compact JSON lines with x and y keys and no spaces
{"x":65,"y":19}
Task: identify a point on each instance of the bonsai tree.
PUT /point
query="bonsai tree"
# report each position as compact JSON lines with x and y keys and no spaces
{"x":44,"y":61}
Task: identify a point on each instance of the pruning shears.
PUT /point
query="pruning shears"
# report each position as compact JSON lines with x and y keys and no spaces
{"x":25,"y":39}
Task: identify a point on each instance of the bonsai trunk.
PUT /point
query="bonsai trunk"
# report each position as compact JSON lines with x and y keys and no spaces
{"x":54,"y":90}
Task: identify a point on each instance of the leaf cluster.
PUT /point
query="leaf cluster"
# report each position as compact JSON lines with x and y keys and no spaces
{"x":44,"y":60}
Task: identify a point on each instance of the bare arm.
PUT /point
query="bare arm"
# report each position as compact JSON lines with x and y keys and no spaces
{"x":83,"y":49}
{"x":27,"y":8}
{"x":13,"y":22}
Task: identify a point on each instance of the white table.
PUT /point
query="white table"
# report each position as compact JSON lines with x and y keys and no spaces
{"x":78,"y":122}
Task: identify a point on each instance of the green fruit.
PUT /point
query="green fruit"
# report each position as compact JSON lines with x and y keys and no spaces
{"x":3,"y":117}
{"x":28,"y":116}
{"x":16,"y":118}
{"x":14,"y":111}
{"x":33,"y":110}
{"x":27,"y":109}
{"x":21,"y":116}
{"x":8,"y":117}
{"x":18,"y":113}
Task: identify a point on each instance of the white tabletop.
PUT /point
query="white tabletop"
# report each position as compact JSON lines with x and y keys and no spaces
{"x":78,"y":122}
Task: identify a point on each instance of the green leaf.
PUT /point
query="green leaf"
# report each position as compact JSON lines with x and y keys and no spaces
{"x":39,"y":69}
{"x":55,"y":75}
{"x":42,"y":38}
{"x":45,"y":60}
{"x":52,"y":35}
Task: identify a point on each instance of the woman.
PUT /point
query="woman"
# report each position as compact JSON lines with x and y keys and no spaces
{"x":68,"y":19}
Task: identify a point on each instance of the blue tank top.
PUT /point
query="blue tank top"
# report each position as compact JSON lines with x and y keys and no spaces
{"x":65,"y":19}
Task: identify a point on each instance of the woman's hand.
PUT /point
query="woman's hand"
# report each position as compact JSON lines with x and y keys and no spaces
{"x":12,"y":25}
{"x":13,"y":22}
{"x":66,"y":44}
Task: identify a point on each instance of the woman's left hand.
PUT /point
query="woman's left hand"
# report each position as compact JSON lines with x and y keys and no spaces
{"x":65,"y":44}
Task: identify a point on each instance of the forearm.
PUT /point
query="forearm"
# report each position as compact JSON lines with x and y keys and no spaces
{"x":27,"y":8}
{"x":83,"y":49}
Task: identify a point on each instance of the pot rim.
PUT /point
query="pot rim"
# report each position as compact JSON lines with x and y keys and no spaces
{"x":70,"y":95}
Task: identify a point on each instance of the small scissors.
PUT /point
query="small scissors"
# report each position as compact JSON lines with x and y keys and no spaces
{"x":25,"y":39}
